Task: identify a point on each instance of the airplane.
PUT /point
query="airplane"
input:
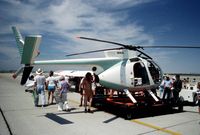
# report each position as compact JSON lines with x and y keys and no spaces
{"x":125,"y":68}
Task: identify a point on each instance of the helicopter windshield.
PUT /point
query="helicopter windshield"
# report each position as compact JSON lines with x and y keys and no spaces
{"x":155,"y":71}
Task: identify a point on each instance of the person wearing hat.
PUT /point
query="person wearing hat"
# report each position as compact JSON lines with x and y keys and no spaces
{"x":40,"y":82}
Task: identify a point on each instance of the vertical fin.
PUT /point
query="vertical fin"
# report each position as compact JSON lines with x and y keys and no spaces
{"x":30,"y":50}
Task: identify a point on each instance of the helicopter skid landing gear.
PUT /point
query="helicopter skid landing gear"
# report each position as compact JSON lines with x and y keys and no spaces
{"x":130,"y":96}
{"x":153,"y":95}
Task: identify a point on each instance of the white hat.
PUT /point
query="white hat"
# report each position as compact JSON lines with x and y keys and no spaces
{"x":39,"y":71}
{"x":61,"y":78}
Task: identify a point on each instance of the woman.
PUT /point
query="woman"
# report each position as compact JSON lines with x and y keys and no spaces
{"x":51,"y":86}
{"x":87,"y":91}
{"x":61,"y":95}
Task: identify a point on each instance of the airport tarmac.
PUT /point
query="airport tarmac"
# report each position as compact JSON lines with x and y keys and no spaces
{"x":20,"y":117}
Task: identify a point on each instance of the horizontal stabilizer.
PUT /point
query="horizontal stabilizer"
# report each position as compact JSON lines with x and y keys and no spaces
{"x":30,"y":50}
{"x":19,"y":39}
{"x":19,"y":71}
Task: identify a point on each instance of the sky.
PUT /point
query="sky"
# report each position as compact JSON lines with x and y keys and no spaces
{"x":134,"y":22}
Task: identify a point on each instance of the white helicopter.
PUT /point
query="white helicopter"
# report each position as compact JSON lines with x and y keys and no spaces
{"x":125,"y":68}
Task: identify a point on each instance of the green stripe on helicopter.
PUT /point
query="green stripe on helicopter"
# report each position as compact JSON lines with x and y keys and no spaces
{"x":104,"y":63}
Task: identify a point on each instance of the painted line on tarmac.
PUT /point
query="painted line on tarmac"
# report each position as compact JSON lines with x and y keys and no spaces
{"x":155,"y":127}
{"x":5,"y":120}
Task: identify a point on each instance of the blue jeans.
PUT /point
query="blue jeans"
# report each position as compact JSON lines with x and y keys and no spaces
{"x":40,"y":91}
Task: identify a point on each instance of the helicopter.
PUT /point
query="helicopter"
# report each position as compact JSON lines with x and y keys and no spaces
{"x":125,"y":68}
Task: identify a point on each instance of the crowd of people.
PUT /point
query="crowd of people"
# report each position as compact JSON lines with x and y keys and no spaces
{"x":57,"y":90}
{"x":171,"y":87}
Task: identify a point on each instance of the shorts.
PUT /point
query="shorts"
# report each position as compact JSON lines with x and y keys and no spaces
{"x":51,"y":88}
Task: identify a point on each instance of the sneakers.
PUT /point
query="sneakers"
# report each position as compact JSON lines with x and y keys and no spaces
{"x":60,"y":106}
{"x":66,"y":106}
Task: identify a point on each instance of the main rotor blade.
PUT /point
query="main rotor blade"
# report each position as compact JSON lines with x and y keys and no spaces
{"x":144,"y":54}
{"x":104,"y":41}
{"x":195,"y":47}
{"x":101,"y":50}
{"x":130,"y":47}
{"x":133,"y":47}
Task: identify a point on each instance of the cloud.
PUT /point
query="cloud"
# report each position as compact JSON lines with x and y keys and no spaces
{"x":77,"y":17}
{"x":9,"y":58}
{"x":60,"y":21}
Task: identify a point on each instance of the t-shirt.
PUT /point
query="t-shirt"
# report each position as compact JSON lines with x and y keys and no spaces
{"x":168,"y":83}
{"x":64,"y":86}
{"x":40,"y":79}
{"x":51,"y":80}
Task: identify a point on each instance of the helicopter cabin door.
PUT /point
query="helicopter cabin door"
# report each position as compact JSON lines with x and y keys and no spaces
{"x":140,"y":74}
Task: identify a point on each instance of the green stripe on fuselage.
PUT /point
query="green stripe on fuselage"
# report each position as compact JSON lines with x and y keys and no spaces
{"x":105,"y":63}
{"x":112,"y":85}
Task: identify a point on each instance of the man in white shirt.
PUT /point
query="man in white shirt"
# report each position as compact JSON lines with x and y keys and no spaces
{"x":40,"y":82}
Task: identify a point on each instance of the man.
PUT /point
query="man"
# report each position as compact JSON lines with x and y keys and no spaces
{"x":39,"y":87}
{"x":167,"y":88}
{"x":87,"y":91}
{"x":177,"y":88}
